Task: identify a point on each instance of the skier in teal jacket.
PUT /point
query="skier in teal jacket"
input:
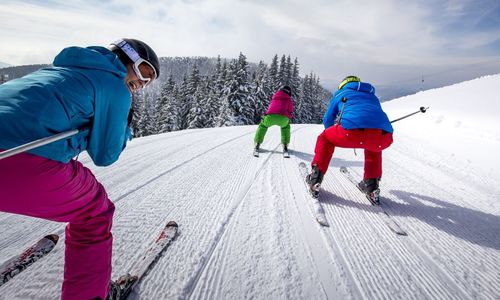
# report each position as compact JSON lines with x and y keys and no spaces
{"x":88,"y":89}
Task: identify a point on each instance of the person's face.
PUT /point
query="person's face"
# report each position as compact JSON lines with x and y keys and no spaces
{"x":133,"y":82}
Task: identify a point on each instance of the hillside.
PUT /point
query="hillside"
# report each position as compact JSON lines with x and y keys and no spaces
{"x":246,"y":224}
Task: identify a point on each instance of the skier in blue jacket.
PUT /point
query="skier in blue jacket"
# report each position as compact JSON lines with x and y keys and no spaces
{"x":89,"y":89}
{"x":354,"y":119}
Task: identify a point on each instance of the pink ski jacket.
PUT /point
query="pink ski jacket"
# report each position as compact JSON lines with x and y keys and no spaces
{"x":281,"y":104}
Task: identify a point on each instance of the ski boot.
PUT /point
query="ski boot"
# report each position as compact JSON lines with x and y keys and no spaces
{"x":285,"y":151}
{"x":121,"y":288}
{"x":256,"y":150}
{"x":314,"y":181}
{"x":371,"y":189}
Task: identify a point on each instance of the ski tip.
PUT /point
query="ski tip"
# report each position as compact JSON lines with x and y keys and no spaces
{"x":172,"y":224}
{"x":343,"y":169}
{"x":52,"y":237}
{"x":302,"y":164}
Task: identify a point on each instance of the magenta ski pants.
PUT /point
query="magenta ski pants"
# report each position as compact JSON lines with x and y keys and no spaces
{"x":35,"y":186}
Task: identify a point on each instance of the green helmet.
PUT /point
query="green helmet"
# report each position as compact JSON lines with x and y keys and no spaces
{"x":349,"y":79}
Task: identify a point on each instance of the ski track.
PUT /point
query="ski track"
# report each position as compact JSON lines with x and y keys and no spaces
{"x":210,"y":279}
{"x":225,"y":229}
{"x":435,"y":252}
{"x":209,"y":182}
{"x":484,"y":260}
{"x":379,"y":259}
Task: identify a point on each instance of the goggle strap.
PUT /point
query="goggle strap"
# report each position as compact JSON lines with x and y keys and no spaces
{"x":131,"y":53}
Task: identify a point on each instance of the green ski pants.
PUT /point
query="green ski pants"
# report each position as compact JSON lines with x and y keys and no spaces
{"x":270,"y":120}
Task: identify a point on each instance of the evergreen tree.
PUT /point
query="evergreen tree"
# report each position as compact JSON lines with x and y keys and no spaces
{"x":161,"y":102}
{"x":261,"y":88}
{"x":273,"y":75}
{"x":295,"y":78}
{"x":134,"y":113}
{"x":185,"y":103}
{"x":282,"y":73}
{"x":145,"y":122}
{"x":197,"y":114}
{"x":223,"y":113}
{"x":236,"y":100}
{"x":168,"y":107}
{"x":305,"y":107}
{"x":245,"y":101}
{"x":212,"y":102}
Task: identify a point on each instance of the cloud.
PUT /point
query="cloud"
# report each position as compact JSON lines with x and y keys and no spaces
{"x":331,"y":38}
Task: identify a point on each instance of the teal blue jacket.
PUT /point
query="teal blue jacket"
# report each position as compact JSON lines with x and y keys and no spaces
{"x":85,"y":88}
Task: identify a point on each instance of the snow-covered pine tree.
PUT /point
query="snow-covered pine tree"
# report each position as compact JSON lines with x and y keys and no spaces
{"x":134,"y":113}
{"x":192,"y":86}
{"x":168,"y":110}
{"x":228,"y":115}
{"x":295,"y":78}
{"x":145,"y":124}
{"x":285,"y":72}
{"x":273,"y":75}
{"x":237,"y":103}
{"x":261,"y":88}
{"x":223,"y":113}
{"x":319,"y":106}
{"x":305,"y":109}
{"x":246,"y":98}
{"x":184,"y":99}
{"x":212,"y":100}
{"x":198,"y":113}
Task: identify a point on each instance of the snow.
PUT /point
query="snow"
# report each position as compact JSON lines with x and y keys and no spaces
{"x":246,"y":224}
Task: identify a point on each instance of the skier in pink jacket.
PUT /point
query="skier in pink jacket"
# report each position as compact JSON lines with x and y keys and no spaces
{"x":279,"y":113}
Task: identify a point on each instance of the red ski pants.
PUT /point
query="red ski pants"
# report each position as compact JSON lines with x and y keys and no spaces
{"x":373,"y":141}
{"x":35,"y":186}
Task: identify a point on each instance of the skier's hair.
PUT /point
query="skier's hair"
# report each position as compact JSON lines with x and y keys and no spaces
{"x":287,"y":90}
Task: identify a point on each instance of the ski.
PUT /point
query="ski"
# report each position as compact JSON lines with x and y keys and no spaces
{"x":316,"y":207}
{"x":20,"y":262}
{"x":255,"y":152}
{"x":123,"y":286}
{"x":374,"y":197}
{"x":389,"y":221}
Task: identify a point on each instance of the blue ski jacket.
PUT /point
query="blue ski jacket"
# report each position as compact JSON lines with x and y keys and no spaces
{"x":361,"y":109}
{"x":85,"y":88}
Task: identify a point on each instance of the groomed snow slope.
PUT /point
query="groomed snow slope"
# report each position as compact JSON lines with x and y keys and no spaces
{"x":246,"y":226}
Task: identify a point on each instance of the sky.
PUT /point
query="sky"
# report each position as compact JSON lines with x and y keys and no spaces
{"x":391,"y":43}
{"x":248,"y":229}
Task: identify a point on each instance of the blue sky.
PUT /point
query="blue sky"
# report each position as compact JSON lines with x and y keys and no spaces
{"x":383,"y":41}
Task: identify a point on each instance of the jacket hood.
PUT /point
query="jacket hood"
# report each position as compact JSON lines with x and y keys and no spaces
{"x":359,"y":86}
{"x":94,"y":57}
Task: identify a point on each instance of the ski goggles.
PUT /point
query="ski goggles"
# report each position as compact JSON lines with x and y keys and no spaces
{"x":136,"y":60}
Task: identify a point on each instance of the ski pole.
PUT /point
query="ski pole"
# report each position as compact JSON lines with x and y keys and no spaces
{"x":339,"y":117}
{"x":422,"y":110}
{"x":38,"y":143}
